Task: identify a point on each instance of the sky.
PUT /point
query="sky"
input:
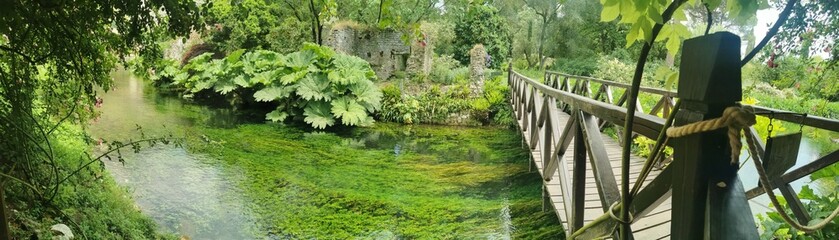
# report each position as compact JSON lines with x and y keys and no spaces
{"x":765,"y":19}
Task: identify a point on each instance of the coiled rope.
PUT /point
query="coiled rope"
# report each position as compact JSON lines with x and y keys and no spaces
{"x":736,"y":119}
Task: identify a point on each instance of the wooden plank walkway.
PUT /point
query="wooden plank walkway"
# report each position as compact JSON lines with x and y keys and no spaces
{"x":654,"y":225}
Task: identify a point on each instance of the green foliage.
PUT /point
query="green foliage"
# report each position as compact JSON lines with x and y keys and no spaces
{"x":395,"y":109}
{"x":443,"y":70}
{"x":580,"y":66}
{"x":430,"y":105}
{"x":818,"y":206}
{"x":813,"y":78}
{"x":809,"y":22}
{"x":314,"y":83}
{"x":644,"y":14}
{"x":614,"y":70}
{"x":54,"y":55}
{"x":769,"y":97}
{"x":253,"y":24}
{"x":493,"y":104}
{"x":90,"y":199}
{"x":481,"y":24}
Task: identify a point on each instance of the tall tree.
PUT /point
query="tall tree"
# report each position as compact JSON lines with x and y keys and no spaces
{"x":481,"y":25}
{"x":547,"y":11}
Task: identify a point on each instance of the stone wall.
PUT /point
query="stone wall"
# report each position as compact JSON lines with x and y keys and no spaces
{"x":384,"y":49}
{"x":422,"y":52}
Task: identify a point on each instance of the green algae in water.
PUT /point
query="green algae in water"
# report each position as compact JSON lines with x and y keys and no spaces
{"x":387,"y":181}
{"x":270,"y":181}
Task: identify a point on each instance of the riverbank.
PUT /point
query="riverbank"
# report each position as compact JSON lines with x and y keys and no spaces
{"x":91,"y":203}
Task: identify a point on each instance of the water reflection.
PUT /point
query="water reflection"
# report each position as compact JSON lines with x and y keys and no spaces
{"x":807,"y":152}
{"x":179,"y":190}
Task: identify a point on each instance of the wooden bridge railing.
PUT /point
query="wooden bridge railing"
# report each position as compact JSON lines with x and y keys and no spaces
{"x":537,"y":104}
{"x":665,"y":100}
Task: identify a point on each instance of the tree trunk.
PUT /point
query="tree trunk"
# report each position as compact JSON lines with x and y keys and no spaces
{"x":542,"y":42}
{"x":316,"y":27}
{"x":4,"y":226}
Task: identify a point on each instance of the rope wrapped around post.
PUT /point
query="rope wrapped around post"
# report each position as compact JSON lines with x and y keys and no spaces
{"x":735,"y":118}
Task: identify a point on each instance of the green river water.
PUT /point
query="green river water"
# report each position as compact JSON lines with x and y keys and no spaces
{"x":236,"y":179}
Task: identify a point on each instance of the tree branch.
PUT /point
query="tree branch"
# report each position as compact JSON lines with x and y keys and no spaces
{"x":293,"y":10}
{"x":15,"y":51}
{"x":630,"y":116}
{"x":772,"y":32}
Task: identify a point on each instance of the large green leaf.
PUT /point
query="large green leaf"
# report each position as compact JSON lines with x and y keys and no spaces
{"x":349,"y":70}
{"x":368,"y":95}
{"x":235,"y":55}
{"x":180,"y":78}
{"x":224,"y":87}
{"x":272,"y":93}
{"x":314,"y":87}
{"x":610,"y":13}
{"x":321,"y":52}
{"x":278,"y":115}
{"x":318,"y":115}
{"x":300,"y":60}
{"x":292,"y":78}
{"x":243,"y":81}
{"x":350,"y":112}
{"x":198,"y":63}
{"x":266,"y":77}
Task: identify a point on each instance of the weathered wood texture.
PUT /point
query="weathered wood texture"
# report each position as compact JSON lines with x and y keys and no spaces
{"x":654,"y":225}
{"x":561,"y":118}
{"x":579,"y":163}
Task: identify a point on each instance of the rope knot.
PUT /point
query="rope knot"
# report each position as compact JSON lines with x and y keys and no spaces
{"x":735,"y":118}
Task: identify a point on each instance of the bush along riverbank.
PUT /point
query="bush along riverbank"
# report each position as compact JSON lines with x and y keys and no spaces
{"x":325,"y":88}
{"x":89,"y":202}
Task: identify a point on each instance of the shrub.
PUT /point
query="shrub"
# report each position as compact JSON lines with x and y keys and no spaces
{"x":482,"y":24}
{"x":315,"y":83}
{"x":580,"y":66}
{"x":442,"y":69}
{"x":613,"y":69}
{"x":493,"y":101}
{"x":817,"y":205}
{"x":460,"y":75}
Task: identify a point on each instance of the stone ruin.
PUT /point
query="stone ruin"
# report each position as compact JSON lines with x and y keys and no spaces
{"x":477,"y":64}
{"x":384,"y":49}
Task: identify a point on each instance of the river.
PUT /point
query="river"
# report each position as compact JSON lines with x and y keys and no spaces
{"x":234,"y":179}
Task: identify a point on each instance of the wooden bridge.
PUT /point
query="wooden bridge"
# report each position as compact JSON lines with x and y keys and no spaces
{"x":563,"y":118}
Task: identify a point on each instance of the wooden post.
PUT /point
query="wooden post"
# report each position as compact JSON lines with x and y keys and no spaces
{"x":578,"y":184}
{"x":708,"y":198}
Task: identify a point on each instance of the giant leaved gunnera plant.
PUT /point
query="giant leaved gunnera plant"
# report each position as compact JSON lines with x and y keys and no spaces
{"x":316,"y":83}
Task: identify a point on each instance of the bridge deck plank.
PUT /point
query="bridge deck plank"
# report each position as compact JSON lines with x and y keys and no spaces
{"x":654,"y":225}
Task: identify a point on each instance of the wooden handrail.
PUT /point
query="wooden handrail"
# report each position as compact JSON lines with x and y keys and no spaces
{"x":649,"y":125}
{"x":783,"y":115}
{"x":645,"y":124}
{"x":806,"y":120}
{"x":658,"y":91}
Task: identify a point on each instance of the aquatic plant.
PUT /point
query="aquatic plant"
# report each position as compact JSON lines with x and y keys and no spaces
{"x":444,"y":182}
